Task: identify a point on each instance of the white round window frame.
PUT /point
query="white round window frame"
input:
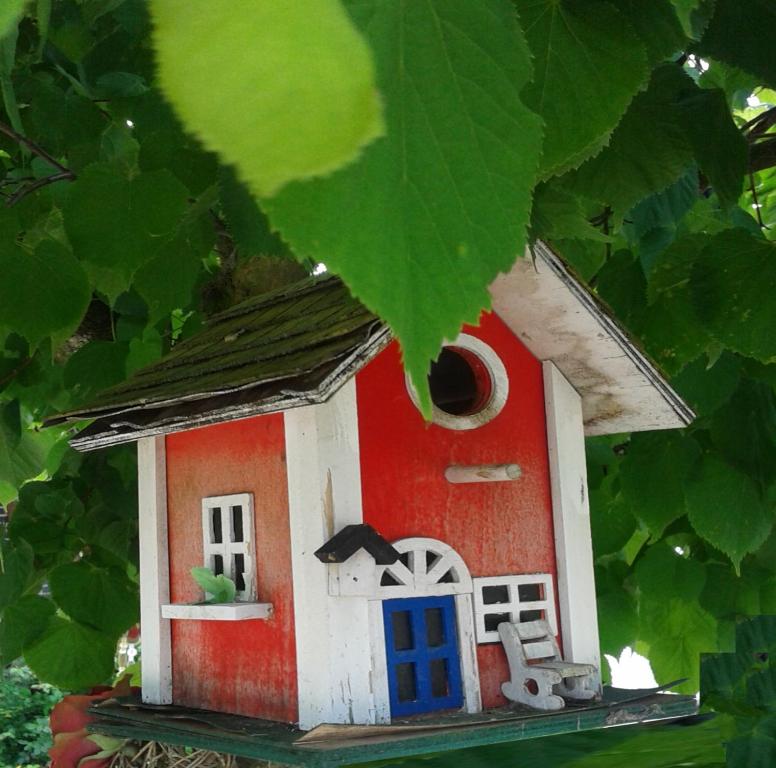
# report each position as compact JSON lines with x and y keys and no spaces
{"x":499,"y":388}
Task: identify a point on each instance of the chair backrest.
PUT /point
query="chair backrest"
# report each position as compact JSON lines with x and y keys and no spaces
{"x":533,"y":640}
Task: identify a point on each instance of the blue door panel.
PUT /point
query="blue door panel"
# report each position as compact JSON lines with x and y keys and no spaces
{"x":421,"y":648}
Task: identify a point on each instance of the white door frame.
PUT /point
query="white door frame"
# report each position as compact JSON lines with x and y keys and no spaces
{"x":416,"y":580}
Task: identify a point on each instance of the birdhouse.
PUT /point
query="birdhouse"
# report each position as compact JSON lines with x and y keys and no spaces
{"x":392,"y":577}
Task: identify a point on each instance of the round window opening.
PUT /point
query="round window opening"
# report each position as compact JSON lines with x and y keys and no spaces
{"x":460,"y":382}
{"x":468,"y":384}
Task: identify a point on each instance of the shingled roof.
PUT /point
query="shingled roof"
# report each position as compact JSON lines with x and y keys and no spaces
{"x":290,"y":347}
{"x":298,"y":345}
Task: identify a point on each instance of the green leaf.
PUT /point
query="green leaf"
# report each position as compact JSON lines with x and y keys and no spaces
{"x":661,"y":573}
{"x":220,"y":588}
{"x":15,"y":570}
{"x":22,"y":458}
{"x":589,"y":63}
{"x":558,"y":214}
{"x":42,"y":293}
{"x":116,"y":225}
{"x":648,"y":150}
{"x":102,"y":598}
{"x":95,"y":367}
{"x":744,"y":431}
{"x":694,"y":15}
{"x":732,"y":286}
{"x":750,"y":47}
{"x":298,"y":101}
{"x":706,"y":387}
{"x":657,"y":24}
{"x":22,"y":624}
{"x":247,"y":222}
{"x":70,"y":655}
{"x":611,"y":520}
{"x":450,"y":185}
{"x":10,"y":13}
{"x":719,"y":147}
{"x":725,"y":508}
{"x":652,"y":477}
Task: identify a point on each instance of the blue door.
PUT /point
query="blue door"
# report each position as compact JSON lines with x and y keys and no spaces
{"x":421,"y":649}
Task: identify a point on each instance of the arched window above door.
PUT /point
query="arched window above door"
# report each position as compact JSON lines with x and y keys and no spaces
{"x":425,"y":567}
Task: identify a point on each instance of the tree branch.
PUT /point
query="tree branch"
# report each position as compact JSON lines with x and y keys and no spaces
{"x":34,"y":148}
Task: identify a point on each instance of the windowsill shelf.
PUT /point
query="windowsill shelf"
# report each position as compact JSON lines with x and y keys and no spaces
{"x":217,"y":611}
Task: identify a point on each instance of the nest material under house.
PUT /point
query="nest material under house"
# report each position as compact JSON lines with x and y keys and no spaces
{"x":153,"y":754}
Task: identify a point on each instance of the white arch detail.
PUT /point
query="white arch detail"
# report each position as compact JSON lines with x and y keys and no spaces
{"x":427,"y":567}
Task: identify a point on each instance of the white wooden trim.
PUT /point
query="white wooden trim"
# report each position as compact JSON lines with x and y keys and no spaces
{"x":514,"y":605}
{"x":217,"y":611}
{"x":333,"y":650}
{"x":467,"y":650}
{"x":379,"y":678}
{"x":419,"y":581}
{"x":154,"y":570}
{"x":571,"y":517}
{"x":558,"y":319}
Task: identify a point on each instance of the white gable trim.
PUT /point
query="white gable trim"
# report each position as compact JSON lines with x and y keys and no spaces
{"x":558,"y":319}
{"x":571,"y":520}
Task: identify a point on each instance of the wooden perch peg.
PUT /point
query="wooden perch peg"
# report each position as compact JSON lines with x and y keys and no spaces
{"x":483,"y":473}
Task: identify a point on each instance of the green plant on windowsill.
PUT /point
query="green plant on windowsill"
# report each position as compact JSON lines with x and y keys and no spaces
{"x":218,"y":589}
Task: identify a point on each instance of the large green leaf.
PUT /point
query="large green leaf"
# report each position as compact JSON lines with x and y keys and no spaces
{"x":648,"y":150}
{"x":103,"y":598}
{"x":10,"y":13}
{"x":22,"y":624}
{"x":70,"y":655}
{"x":15,"y":570}
{"x":41,"y":293}
{"x":427,"y":218}
{"x":22,"y":457}
{"x":733,"y":285}
{"x":657,"y":24}
{"x":282,"y":90}
{"x":725,"y":508}
{"x":116,"y":224}
{"x":652,"y":477}
{"x":705,"y":386}
{"x":741,"y":34}
{"x":719,"y":147}
{"x":589,"y":64}
{"x":744,"y":431}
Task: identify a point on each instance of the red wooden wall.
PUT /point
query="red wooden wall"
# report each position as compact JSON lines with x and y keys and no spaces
{"x":498,"y":528}
{"x":245,"y":667}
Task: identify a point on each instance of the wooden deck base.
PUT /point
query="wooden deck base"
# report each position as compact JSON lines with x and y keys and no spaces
{"x":335,"y":745}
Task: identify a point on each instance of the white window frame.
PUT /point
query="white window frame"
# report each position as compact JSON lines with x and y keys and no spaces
{"x":228,"y":547}
{"x":514,"y":606}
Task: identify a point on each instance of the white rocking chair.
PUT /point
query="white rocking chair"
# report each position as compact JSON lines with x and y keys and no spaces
{"x":540,"y":678}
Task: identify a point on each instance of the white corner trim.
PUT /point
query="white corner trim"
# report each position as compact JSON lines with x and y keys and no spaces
{"x":333,"y":653}
{"x":154,"y":570}
{"x":379,"y":676}
{"x":499,"y":382}
{"x":467,"y":650}
{"x":217,"y":611}
{"x":571,"y":517}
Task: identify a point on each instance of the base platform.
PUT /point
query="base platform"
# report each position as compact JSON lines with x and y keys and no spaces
{"x":335,"y":745}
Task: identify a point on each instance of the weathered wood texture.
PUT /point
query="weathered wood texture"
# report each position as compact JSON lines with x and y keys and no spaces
{"x":244,"y":667}
{"x":560,"y":320}
{"x":331,"y":747}
{"x":498,"y":528}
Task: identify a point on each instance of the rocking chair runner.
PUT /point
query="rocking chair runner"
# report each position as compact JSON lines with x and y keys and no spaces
{"x":544,"y":683}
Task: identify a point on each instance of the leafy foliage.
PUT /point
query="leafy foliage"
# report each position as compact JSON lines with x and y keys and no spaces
{"x":25,"y":704}
{"x":638,"y":138}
